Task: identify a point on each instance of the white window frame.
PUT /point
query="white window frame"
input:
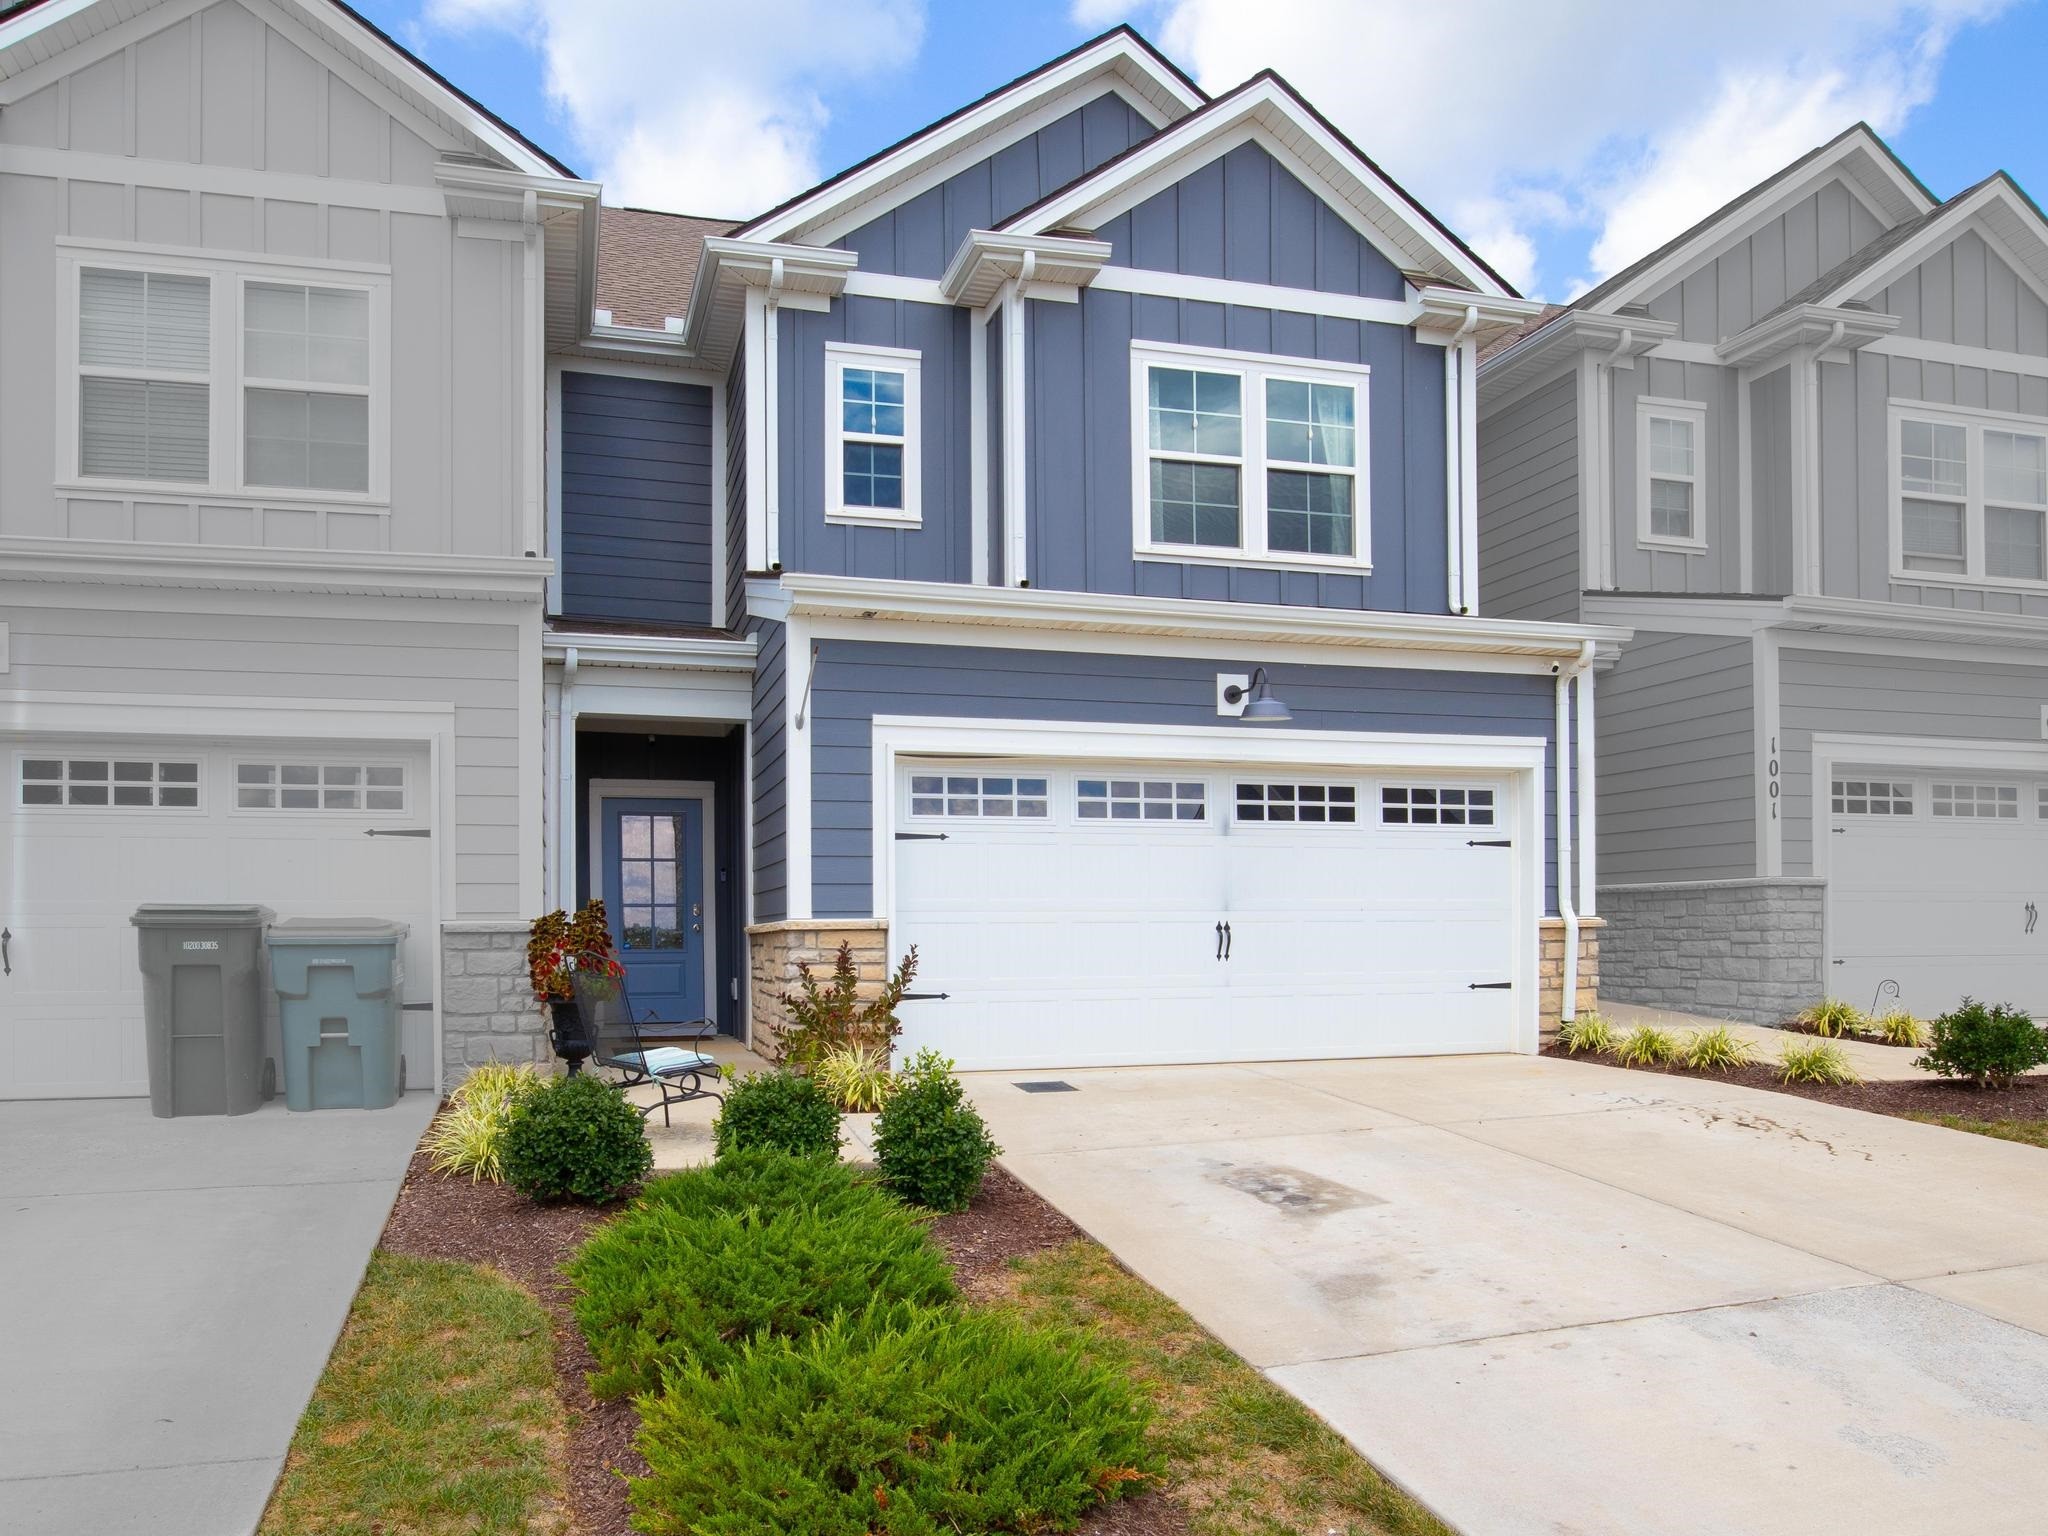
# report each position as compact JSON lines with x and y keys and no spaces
{"x":228,"y":277}
{"x":1975,"y":424}
{"x":839,"y":356}
{"x":1254,"y":369}
{"x":339,"y":759}
{"x":1693,"y":413}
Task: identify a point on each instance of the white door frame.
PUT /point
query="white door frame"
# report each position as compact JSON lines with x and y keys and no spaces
{"x":707,"y":853}
{"x":1518,"y":759}
{"x":201,"y":717}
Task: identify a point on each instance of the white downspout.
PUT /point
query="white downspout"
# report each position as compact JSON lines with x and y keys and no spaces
{"x":770,"y":407}
{"x":1457,"y":491}
{"x":565,"y":787}
{"x":1567,"y":1004}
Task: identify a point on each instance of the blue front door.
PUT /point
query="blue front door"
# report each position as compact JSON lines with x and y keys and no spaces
{"x":654,"y":895}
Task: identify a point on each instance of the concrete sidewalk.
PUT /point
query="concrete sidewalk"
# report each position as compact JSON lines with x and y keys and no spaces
{"x":1549,"y":1296}
{"x":172,"y":1290}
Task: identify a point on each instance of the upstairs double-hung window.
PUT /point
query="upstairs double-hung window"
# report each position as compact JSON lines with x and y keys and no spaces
{"x":1244,"y":459}
{"x":144,"y":375}
{"x":871,"y":448}
{"x":1971,"y":495}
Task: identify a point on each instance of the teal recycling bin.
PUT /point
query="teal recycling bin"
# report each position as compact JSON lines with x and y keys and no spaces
{"x":202,"y":1007}
{"x":338,"y":984}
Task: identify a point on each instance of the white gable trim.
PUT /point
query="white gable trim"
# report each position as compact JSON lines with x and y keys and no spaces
{"x":928,"y":158}
{"x":2012,"y":230}
{"x":1265,"y":114}
{"x":1866,"y":170}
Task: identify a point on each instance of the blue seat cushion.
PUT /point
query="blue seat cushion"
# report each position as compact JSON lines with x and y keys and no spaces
{"x":664,"y":1061}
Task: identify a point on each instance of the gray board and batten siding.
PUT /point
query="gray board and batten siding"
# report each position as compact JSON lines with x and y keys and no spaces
{"x":1677,"y":761}
{"x":636,"y":499}
{"x":1529,"y":514}
{"x":857,"y":680}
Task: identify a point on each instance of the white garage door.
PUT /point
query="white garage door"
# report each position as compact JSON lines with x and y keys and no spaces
{"x":95,"y":830}
{"x":1089,"y":916}
{"x":1938,"y":882}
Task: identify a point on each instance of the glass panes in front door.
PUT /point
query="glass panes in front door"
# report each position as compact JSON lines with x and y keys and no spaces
{"x":651,"y":913}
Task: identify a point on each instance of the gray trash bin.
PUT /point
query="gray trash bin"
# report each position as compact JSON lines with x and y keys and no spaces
{"x":202,"y":1006}
{"x":338,"y":984}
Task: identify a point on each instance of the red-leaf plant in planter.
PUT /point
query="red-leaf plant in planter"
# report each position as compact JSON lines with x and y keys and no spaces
{"x":560,"y":947}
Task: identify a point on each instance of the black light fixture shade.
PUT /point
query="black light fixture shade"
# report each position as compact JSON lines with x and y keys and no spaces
{"x":1262,"y":707}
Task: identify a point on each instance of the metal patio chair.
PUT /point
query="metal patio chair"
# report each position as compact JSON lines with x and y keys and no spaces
{"x":678,"y":1072}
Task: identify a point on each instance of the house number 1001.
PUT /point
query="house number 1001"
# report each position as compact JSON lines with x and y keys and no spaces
{"x":1771,"y":778}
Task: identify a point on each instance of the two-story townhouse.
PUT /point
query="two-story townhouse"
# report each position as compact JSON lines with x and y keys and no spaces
{"x":1802,"y":450}
{"x":274,"y":300}
{"x":1050,"y":545}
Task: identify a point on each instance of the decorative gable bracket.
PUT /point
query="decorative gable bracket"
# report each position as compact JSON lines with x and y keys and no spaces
{"x":1805,"y":327}
{"x":1043,"y":266}
{"x":1453,"y":315}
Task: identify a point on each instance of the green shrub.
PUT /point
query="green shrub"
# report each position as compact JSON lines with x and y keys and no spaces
{"x":759,"y":1245}
{"x":931,"y":1146}
{"x":835,"y":1016}
{"x":1647,"y":1046}
{"x":576,"y":1139}
{"x":469,"y":1135}
{"x":1588,"y":1032}
{"x":856,"y":1077}
{"x":1899,"y":1028}
{"x":949,"y":1421}
{"x":1815,"y":1063}
{"x":779,"y":1111}
{"x":1718,"y":1049}
{"x":1989,"y":1045}
{"x":1833,"y":1018}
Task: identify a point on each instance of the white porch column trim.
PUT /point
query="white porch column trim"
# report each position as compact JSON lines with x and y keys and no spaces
{"x":755,"y":384}
{"x":564,"y":817}
{"x":796,"y":771}
{"x":1770,"y":754}
{"x":1588,"y":799}
{"x":1015,"y":482}
{"x":977,"y":447}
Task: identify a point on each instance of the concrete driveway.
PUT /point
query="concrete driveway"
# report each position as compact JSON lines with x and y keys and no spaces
{"x":171,"y":1290}
{"x":1548,"y":1296}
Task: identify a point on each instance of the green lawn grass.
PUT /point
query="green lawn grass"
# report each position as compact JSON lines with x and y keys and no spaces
{"x":437,"y":1414}
{"x":2033,"y":1133}
{"x":1243,"y":1457}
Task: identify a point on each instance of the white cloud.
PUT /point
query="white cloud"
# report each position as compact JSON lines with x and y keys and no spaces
{"x":1608,"y":122}
{"x":699,"y":107}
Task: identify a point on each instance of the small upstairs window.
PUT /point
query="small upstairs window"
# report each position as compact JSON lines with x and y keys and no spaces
{"x":1671,"y":474}
{"x":306,"y":387}
{"x":871,"y":448}
{"x":144,"y":375}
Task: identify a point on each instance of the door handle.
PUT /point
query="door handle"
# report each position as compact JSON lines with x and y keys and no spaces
{"x":1219,"y":941}
{"x":1227,"y":941}
{"x":6,"y":964}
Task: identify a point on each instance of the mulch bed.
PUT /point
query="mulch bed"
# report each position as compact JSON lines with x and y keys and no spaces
{"x":491,"y":1224}
{"x":2027,"y":1099}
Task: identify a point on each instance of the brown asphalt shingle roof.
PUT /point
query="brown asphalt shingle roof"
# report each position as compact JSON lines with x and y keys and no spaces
{"x":646,"y":262}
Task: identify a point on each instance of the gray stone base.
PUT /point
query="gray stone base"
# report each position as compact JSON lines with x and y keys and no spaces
{"x":487,"y":1007}
{"x":1748,"y":950}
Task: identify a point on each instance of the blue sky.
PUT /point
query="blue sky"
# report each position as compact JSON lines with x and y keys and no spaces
{"x":1565,"y":150}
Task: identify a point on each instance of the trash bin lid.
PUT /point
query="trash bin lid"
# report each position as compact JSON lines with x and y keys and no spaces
{"x":178,"y":914}
{"x":336,"y":930}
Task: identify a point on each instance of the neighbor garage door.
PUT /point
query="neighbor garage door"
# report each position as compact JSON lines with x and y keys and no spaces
{"x":96,"y":829}
{"x":1938,"y":882}
{"x":1093,"y":915}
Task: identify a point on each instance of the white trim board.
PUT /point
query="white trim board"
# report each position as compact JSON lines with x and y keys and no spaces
{"x":1519,"y":759}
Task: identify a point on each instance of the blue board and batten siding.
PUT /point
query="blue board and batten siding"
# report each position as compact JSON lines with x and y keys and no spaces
{"x":636,"y":499}
{"x":857,"y":680}
{"x":769,"y":745}
{"x":736,"y":490}
{"x":918,"y":237}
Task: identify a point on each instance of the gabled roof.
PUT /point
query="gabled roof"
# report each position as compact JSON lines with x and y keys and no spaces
{"x":647,"y":261}
{"x":1411,"y":236}
{"x":36,"y":31}
{"x":1119,"y":57}
{"x":1857,"y":153}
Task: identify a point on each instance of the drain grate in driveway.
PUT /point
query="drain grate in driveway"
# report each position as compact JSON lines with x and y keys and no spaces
{"x":1049,"y":1085}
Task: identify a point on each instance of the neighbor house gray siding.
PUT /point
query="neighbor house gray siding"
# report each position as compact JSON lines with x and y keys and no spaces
{"x":1079,"y":484}
{"x":636,"y":499}
{"x":1756,"y":275}
{"x":857,"y":680}
{"x":1529,"y":564}
{"x":221,"y":135}
{"x":939,"y":548}
{"x":1246,"y":217}
{"x":1840,"y":693}
{"x":918,"y":237}
{"x":767,"y":745}
{"x":1677,"y":764}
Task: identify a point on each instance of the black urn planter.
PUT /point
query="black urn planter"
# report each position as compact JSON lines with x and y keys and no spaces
{"x":568,"y":1033}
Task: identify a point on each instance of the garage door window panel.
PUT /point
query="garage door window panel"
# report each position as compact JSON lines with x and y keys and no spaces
{"x":1971,"y":497}
{"x":1974,"y":802}
{"x":1140,"y":799}
{"x":1246,"y":459}
{"x":109,"y":783}
{"x":1436,"y":805}
{"x":997,"y":797}
{"x":1872,"y":797}
{"x":320,"y":787}
{"x":1323,"y":804}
